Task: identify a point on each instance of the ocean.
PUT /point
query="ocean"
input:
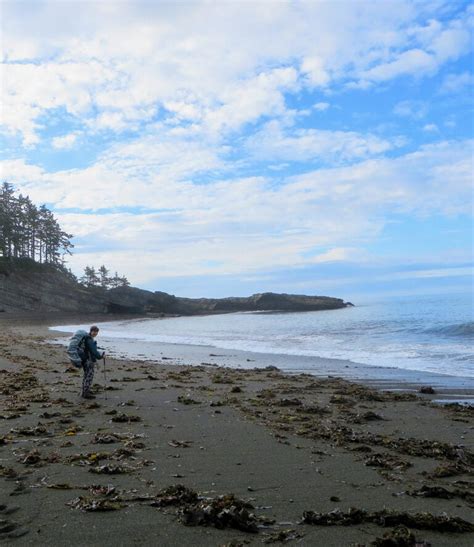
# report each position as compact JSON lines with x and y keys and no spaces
{"x":427,"y":334}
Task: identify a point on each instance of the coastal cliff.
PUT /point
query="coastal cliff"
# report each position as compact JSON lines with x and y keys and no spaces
{"x":40,"y":288}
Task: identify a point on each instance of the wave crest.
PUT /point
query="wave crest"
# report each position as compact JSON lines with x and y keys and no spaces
{"x":465,"y":330}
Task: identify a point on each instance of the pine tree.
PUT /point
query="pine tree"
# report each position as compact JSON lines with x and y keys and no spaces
{"x":104,"y":277}
{"x":90,"y":277}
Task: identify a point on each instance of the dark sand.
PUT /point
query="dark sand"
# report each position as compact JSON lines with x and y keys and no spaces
{"x":284,"y":444}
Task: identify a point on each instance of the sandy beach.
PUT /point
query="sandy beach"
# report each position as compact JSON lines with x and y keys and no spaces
{"x":176,"y":454}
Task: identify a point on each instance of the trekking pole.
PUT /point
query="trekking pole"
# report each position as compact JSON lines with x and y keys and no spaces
{"x":105,"y":379}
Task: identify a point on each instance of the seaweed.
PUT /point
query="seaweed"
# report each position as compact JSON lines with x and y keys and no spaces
{"x":105,"y":438}
{"x":111,"y":469}
{"x":443,"y":493}
{"x":177,"y":494}
{"x":385,"y":518}
{"x":289,"y":402}
{"x":60,"y":486}
{"x":37,"y":431}
{"x":448,"y":469}
{"x":180,"y":444}
{"x":225,"y":511}
{"x":126,"y":418}
{"x":9,"y":416}
{"x":32,"y":458}
{"x":282,"y":536}
{"x":90,"y":458}
{"x":92,"y":504}
{"x":398,"y":537}
{"x":8,"y":472}
{"x":187,"y":400}
{"x":386,"y":461}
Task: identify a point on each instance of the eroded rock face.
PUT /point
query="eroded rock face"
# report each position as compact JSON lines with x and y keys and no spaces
{"x":47,"y":290}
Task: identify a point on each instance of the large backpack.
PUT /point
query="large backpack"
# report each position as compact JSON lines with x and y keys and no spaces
{"x":76,"y":350}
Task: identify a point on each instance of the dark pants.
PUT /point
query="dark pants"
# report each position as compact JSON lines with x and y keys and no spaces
{"x":88,"y":376}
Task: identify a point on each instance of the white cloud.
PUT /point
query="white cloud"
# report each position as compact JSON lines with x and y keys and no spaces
{"x":414,"y":61}
{"x":248,"y":224}
{"x":411,"y":109}
{"x":221,"y":95}
{"x":111,"y":66}
{"x":456,"y":83}
{"x":64,"y":141}
{"x":431,"y":128}
{"x":276,"y":142}
{"x":315,"y":72}
{"x":321,"y":107}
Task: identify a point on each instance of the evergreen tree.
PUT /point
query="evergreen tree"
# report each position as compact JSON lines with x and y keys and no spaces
{"x":90,"y":277}
{"x":104,"y":277}
{"x":29,"y":232}
{"x":115,"y":281}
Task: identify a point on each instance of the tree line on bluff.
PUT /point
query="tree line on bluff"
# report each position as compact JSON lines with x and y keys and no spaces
{"x":31,"y":233}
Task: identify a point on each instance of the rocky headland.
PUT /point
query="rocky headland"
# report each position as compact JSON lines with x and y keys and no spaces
{"x":39,"y":288}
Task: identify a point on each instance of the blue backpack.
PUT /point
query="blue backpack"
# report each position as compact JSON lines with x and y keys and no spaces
{"x":76,"y":350}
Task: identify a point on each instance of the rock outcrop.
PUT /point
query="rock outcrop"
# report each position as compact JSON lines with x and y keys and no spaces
{"x":43,"y":289}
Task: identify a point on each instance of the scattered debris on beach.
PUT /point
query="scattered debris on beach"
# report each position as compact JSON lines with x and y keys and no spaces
{"x":325,"y":418}
{"x":385,"y":518}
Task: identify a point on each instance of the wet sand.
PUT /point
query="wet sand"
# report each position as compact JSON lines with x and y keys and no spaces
{"x":290,"y":448}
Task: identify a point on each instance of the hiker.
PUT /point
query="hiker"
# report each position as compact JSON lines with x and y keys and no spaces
{"x":90,"y":357}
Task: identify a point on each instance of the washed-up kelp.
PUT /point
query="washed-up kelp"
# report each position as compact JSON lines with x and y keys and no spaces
{"x":399,"y":537}
{"x":93,"y":504}
{"x":282,"y":536}
{"x":313,"y":409}
{"x":180,"y":444}
{"x":368,"y":416}
{"x":386,"y":461}
{"x":449,"y":470}
{"x":225,"y":511}
{"x":91,"y":458}
{"x":177,"y":494}
{"x":186,"y":400}
{"x":37,"y":431}
{"x":105,"y":438}
{"x":367,"y":394}
{"x":424,"y":521}
{"x":221,"y":512}
{"x":8,"y":472}
{"x":112,"y":469}
{"x":443,"y":493}
{"x":289,"y":402}
{"x":126,"y":418}
{"x":11,"y":382}
{"x":32,"y":458}
{"x":414,"y":447}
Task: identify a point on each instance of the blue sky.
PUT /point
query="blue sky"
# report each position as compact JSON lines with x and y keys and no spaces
{"x":226,"y":148}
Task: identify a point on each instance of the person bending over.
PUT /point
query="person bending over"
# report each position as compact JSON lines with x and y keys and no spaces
{"x":91,"y":356}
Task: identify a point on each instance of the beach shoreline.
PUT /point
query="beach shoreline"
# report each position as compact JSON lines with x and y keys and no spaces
{"x":460,"y":388}
{"x":286,"y":444}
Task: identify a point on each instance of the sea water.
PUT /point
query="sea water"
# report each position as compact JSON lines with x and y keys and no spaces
{"x":432,"y":334}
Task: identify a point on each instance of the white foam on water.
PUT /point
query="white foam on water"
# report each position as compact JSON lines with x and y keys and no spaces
{"x":418,"y":335}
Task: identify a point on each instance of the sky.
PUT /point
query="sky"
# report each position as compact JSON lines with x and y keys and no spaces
{"x":224,"y":148}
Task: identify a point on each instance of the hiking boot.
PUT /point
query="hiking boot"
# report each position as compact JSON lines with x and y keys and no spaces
{"x":88,"y":396}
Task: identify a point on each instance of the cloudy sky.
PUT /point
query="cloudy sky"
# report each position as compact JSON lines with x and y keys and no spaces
{"x":217,"y":148}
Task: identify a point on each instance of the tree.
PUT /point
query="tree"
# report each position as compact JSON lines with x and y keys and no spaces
{"x":90,"y":277}
{"x":6,"y":219}
{"x":29,"y":232}
{"x":115,"y":281}
{"x":104,"y":277}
